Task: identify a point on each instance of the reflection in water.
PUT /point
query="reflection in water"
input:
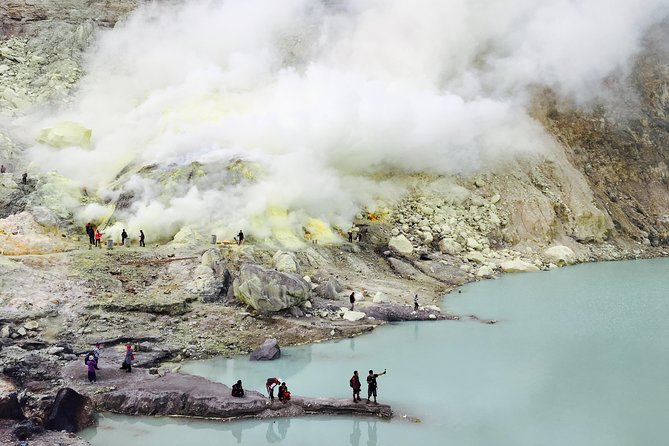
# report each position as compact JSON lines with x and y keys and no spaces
{"x":270,"y":435}
{"x":236,"y":429}
{"x":371,"y":433}
{"x":283,"y":424}
{"x":355,"y":435}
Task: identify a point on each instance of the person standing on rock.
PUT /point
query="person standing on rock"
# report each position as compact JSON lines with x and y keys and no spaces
{"x":356,"y":386}
{"x":415,"y":302}
{"x":270,"y":385}
{"x":127,"y":361}
{"x":372,"y":386}
{"x":124,"y":235}
{"x":352,"y":299}
{"x":141,"y":238}
{"x":91,"y":365}
{"x":24,"y":178}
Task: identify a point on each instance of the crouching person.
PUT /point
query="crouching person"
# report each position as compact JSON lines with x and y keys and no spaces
{"x":237,"y":390}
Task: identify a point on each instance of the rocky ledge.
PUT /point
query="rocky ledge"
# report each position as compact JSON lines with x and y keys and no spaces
{"x":174,"y":394}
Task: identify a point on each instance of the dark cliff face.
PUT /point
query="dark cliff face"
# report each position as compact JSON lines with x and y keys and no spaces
{"x":622,"y":147}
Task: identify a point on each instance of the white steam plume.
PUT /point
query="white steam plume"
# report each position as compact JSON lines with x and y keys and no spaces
{"x":318,"y":97}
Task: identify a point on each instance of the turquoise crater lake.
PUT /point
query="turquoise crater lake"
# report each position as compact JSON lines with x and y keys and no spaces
{"x":580,"y":356}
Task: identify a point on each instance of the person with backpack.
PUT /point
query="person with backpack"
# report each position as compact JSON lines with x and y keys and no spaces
{"x":372,"y":386}
{"x":356,"y":386}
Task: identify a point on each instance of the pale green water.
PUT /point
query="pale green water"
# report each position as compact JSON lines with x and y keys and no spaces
{"x":580,"y":356}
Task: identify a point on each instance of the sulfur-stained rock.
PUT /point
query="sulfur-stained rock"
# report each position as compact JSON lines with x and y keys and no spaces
{"x":66,"y":134}
{"x":518,"y":266}
{"x":560,"y":255}
{"x":400,"y":244}
{"x":286,"y":262}
{"x":267,"y":290}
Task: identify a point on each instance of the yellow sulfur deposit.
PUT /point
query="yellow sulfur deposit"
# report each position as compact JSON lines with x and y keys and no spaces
{"x":66,"y":134}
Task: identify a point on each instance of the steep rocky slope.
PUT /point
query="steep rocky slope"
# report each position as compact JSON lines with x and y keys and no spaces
{"x":601,"y":193}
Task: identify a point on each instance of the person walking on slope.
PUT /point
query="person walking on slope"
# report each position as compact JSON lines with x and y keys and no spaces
{"x":356,"y":386}
{"x":372,"y":386}
{"x":127,"y":361}
{"x":98,"y":238}
{"x":124,"y":235}
{"x":141,"y":238}
{"x":352,"y":299}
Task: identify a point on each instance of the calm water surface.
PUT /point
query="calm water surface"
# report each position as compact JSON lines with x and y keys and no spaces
{"x":580,"y":356}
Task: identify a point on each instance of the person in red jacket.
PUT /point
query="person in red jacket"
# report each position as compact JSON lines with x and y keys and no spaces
{"x":98,"y":237}
{"x":270,"y":385}
{"x":356,"y":386}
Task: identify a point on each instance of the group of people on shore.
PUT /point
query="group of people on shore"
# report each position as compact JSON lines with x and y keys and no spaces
{"x":92,"y":360}
{"x":284,"y":394}
{"x":95,"y":236}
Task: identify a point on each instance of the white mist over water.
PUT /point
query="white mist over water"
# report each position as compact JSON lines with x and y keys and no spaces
{"x":318,"y":98}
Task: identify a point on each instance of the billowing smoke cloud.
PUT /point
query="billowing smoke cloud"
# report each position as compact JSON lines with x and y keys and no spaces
{"x":294,"y":109}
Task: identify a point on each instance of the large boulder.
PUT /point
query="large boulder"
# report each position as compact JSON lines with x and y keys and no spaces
{"x":66,"y":134}
{"x":267,"y":290}
{"x":71,"y":412}
{"x":268,"y":351}
{"x":518,"y":266}
{"x":286,"y":262}
{"x":560,"y":255}
{"x":212,"y":279}
{"x":9,"y":404}
{"x":329,"y":289}
{"x":450,"y":246}
{"x":400,"y":244}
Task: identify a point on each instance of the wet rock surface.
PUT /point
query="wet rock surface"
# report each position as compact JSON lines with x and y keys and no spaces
{"x":71,"y":412}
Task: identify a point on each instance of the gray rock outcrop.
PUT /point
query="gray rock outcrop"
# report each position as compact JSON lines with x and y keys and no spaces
{"x":212,"y":280}
{"x":267,"y":290}
{"x":329,"y":289}
{"x":286,"y":262}
{"x":268,"y":351}
{"x":71,"y":412}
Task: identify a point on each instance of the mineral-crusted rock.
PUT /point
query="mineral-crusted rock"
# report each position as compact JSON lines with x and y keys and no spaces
{"x":475,"y":256}
{"x":71,"y":411}
{"x":517,"y":266}
{"x":212,"y":280}
{"x":450,"y":246}
{"x":286,"y":262}
{"x":329,"y":289}
{"x":400,"y":244}
{"x":395,"y":312}
{"x":560,"y":255}
{"x":267,"y":290}
{"x":353,"y":315}
{"x":379,"y":297}
{"x":268,"y":351}
{"x":66,"y":134}
{"x":484,"y":271}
